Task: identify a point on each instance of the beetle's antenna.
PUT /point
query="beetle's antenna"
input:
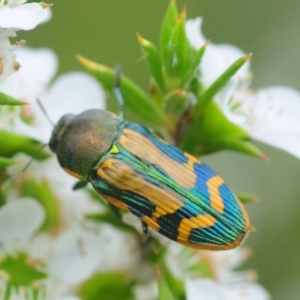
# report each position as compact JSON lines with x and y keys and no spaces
{"x":34,"y":157}
{"x":117,"y":90}
{"x":44,"y":112}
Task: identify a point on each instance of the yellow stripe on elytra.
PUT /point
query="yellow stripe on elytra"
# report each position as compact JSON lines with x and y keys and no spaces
{"x":216,"y":200}
{"x":186,"y":225}
{"x":152,"y":223}
{"x":123,"y":177}
{"x":116,"y":202}
{"x":202,"y":221}
{"x":212,"y":246}
{"x":141,"y":146}
{"x":191,"y":159}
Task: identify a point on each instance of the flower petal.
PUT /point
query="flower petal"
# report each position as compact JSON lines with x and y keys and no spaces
{"x":75,"y":256}
{"x":217,"y":58}
{"x":38,"y":66}
{"x":26,"y":16}
{"x":73,"y":93}
{"x":13,"y":3}
{"x":19,"y":220}
{"x":248,"y":291}
{"x":204,"y":289}
{"x":194,"y":33}
{"x":112,"y":241}
{"x":271,"y":116}
{"x":8,"y":63}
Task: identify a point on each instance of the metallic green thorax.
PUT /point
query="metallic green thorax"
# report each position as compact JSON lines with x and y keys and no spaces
{"x":81,"y":140}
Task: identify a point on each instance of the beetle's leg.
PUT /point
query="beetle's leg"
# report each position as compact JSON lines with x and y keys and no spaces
{"x":117,"y":91}
{"x":145,"y":241}
{"x":145,"y":227}
{"x":79,"y":185}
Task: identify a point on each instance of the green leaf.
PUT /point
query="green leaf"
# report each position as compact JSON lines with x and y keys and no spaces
{"x":207,"y":96}
{"x":153,"y":61}
{"x":109,"y":218}
{"x":134,"y":97}
{"x":5,"y":162}
{"x":174,"y":105}
{"x":94,"y":195}
{"x":42,"y":192}
{"x":203,"y":268}
{"x":166,"y":32}
{"x":2,"y":198}
{"x":164,"y":292}
{"x":22,"y":271}
{"x":112,"y":286}
{"x":245,"y":147}
{"x":176,"y":54}
{"x":246,"y":197}
{"x":180,"y":52}
{"x":9,"y":100}
{"x":196,"y":267}
{"x":183,"y":14}
{"x":213,"y":132}
{"x":176,"y":285}
{"x":195,"y":60}
{"x":194,"y":86}
{"x":15,"y":143}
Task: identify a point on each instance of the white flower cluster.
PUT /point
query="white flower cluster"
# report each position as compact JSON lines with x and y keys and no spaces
{"x":228,"y":284}
{"x":17,"y":15}
{"x":270,"y":115}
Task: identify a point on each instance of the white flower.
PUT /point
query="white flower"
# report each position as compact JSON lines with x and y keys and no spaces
{"x":70,"y":93}
{"x":208,"y":289}
{"x":217,"y":58}
{"x":227,"y":284}
{"x":66,"y":260}
{"x":147,"y":291}
{"x":270,"y":115}
{"x":76,"y":255}
{"x":38,"y":67}
{"x":73,"y":205}
{"x":19,"y":220}
{"x":8,"y":63}
{"x":126,"y":261}
{"x":20,"y":15}
{"x":16,"y":15}
{"x":211,"y":275}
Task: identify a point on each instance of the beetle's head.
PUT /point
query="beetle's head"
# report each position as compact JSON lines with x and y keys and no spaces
{"x":80,"y":141}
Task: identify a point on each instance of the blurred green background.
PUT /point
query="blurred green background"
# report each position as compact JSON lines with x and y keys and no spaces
{"x":104,"y":31}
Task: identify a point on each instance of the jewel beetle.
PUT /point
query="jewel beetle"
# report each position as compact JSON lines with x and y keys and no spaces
{"x":168,"y":189}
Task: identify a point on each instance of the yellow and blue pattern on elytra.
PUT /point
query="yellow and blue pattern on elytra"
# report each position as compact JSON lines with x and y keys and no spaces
{"x":170,"y":190}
